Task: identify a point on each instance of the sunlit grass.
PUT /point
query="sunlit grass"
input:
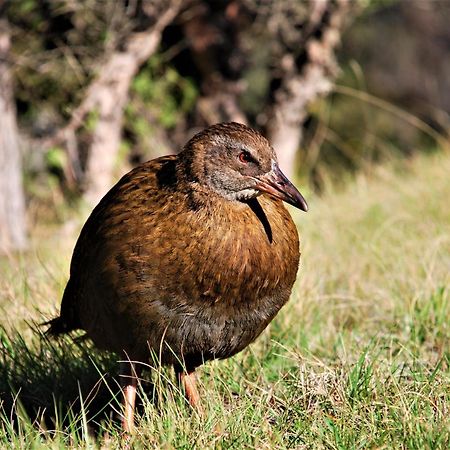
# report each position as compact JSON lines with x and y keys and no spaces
{"x":359,"y":358}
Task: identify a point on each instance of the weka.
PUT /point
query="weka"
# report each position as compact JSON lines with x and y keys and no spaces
{"x":184,"y":257}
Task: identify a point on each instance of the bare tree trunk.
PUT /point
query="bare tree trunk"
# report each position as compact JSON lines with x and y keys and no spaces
{"x":12,"y":198}
{"x":107,"y":95}
{"x":303,"y":83}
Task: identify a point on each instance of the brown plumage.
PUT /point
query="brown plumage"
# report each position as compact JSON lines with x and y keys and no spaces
{"x":184,"y":256}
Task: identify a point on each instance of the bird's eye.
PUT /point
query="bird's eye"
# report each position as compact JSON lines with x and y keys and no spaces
{"x":244,"y":157}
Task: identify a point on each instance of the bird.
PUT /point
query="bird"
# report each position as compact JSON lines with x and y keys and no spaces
{"x":188,"y":257}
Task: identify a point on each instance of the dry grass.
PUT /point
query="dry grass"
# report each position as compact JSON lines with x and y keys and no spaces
{"x":358,"y":359}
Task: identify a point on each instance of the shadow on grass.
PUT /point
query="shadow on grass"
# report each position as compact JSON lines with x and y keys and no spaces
{"x":54,"y":383}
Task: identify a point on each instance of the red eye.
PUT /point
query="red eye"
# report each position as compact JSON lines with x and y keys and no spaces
{"x":244,"y":157}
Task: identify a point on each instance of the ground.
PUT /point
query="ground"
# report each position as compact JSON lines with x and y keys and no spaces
{"x":359,"y":358}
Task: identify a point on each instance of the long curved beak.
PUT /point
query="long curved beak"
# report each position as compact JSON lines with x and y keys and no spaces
{"x":276,"y":184}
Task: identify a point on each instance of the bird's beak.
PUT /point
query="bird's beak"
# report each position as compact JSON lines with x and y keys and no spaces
{"x":276,"y":184}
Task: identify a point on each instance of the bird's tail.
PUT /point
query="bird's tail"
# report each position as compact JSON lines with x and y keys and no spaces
{"x":67,"y":320}
{"x":56,"y":327}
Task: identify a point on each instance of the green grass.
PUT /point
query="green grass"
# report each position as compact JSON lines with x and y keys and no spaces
{"x":358,"y":359}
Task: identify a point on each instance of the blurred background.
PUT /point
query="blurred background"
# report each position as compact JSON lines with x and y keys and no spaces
{"x":90,"y":88}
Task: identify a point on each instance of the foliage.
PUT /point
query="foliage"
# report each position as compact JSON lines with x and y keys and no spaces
{"x":387,"y":102}
{"x":55,"y":47}
{"x":59,"y":46}
{"x":160,"y":98}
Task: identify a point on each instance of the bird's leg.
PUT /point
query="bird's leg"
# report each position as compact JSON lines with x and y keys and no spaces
{"x":188,"y":378}
{"x":128,"y":380}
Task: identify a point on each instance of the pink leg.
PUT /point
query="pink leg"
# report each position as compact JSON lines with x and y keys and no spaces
{"x":128,"y":378}
{"x":188,"y":381}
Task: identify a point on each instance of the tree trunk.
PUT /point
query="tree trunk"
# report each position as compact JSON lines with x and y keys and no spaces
{"x":107,"y":97}
{"x":12,"y":198}
{"x":306,"y":81}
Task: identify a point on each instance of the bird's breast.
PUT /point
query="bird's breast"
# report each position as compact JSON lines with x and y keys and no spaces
{"x":236,"y":255}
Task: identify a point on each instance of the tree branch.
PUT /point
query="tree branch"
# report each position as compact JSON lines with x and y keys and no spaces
{"x":306,"y":79}
{"x":106,"y":97}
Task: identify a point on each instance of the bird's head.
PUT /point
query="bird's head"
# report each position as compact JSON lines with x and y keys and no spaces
{"x":238,"y":163}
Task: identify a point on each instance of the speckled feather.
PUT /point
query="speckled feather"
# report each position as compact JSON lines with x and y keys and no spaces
{"x":166,"y":264}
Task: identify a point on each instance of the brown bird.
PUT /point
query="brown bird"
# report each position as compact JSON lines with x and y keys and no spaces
{"x":184,"y":257}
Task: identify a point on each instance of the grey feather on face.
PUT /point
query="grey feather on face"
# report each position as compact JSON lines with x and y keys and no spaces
{"x":230,"y":177}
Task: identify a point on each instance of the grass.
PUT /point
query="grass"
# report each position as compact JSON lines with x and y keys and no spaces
{"x":358,"y":359}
